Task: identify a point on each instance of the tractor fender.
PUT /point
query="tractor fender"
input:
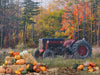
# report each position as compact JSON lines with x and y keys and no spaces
{"x":69,"y":42}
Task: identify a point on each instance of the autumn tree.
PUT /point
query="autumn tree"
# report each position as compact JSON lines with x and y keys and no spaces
{"x":48,"y":24}
{"x":69,"y":14}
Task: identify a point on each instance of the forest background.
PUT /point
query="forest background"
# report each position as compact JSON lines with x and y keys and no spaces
{"x":22,"y":23}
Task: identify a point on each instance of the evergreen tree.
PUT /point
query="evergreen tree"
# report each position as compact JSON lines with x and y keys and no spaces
{"x":30,"y":9}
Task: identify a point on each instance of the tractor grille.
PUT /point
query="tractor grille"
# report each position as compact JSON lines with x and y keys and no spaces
{"x":40,"y":44}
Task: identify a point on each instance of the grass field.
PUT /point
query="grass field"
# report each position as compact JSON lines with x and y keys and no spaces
{"x":61,"y":62}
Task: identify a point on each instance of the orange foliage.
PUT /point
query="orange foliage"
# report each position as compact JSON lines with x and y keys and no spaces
{"x":72,"y":11}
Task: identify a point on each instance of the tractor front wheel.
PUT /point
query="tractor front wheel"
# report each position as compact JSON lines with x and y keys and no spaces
{"x":37,"y":54}
{"x":81,"y":49}
{"x":48,"y":53}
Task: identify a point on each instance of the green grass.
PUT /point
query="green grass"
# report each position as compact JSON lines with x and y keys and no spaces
{"x":61,"y":62}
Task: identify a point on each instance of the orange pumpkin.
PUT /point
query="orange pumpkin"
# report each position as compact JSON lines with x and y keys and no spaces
{"x":16,"y":53}
{"x":6,"y":62}
{"x":80,"y":67}
{"x":21,"y":69}
{"x":15,"y":64}
{"x":27,"y":66}
{"x":8,"y":70}
{"x":2,"y":70}
{"x":17,"y":72}
{"x":35,"y":67}
{"x":89,"y":67}
{"x":11,"y":52}
{"x":20,"y":62}
{"x":17,"y":57}
{"x":34,"y":63}
{"x":43,"y":68}
{"x":92,"y":64}
{"x":90,"y":70}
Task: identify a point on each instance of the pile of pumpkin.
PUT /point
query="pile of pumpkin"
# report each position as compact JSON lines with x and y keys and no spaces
{"x":35,"y":67}
{"x":86,"y":66}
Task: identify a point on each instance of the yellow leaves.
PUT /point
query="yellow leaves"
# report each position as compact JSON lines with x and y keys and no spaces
{"x":59,"y":34}
{"x":31,"y":18}
{"x":97,"y":32}
{"x":48,"y":10}
{"x":29,"y":27}
{"x":56,"y":33}
{"x":20,"y":35}
{"x":69,"y":32}
{"x":93,"y":31}
{"x":14,"y":35}
{"x":69,"y":37}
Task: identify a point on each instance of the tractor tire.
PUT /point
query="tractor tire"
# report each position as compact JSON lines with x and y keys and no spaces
{"x":81,"y":49}
{"x":48,"y":53}
{"x":37,"y":54}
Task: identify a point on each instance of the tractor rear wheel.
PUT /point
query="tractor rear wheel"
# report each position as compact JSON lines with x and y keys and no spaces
{"x":48,"y":53}
{"x":81,"y":49}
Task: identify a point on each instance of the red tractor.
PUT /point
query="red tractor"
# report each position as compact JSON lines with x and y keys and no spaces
{"x":50,"y":47}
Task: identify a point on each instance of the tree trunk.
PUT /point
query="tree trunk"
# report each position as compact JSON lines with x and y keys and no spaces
{"x":17,"y":23}
{"x":8,"y":42}
{"x":78,"y":21}
{"x":2,"y":38}
{"x":95,"y":24}
{"x":33,"y":33}
{"x":84,"y":20}
{"x":10,"y":38}
{"x":24,"y":35}
{"x":2,"y":28}
{"x":73,"y":23}
{"x":91,"y":21}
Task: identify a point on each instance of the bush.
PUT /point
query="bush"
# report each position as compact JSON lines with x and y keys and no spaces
{"x":20,"y":47}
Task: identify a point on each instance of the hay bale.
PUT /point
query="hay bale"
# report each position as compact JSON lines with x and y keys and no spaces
{"x":1,"y":66}
{"x":16,"y":67}
{"x":8,"y":58}
{"x":34,"y":74}
{"x":2,"y":73}
{"x":28,"y":58}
